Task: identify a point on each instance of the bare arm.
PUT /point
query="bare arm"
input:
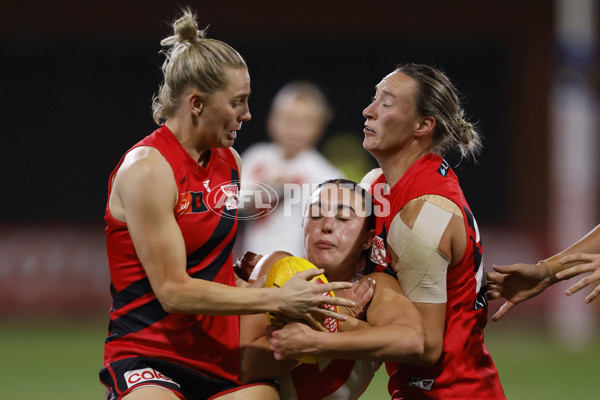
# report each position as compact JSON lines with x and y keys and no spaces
{"x":396,"y":332}
{"x":256,"y":359}
{"x":519,"y":282}
{"x":143,"y":196}
{"x":295,"y":340}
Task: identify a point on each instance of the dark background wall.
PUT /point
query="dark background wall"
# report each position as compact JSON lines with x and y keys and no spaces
{"x":77,"y":81}
{"x":77,"y":78}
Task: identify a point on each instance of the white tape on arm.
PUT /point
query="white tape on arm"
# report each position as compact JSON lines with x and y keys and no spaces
{"x":421,"y":267}
{"x":370,"y":177}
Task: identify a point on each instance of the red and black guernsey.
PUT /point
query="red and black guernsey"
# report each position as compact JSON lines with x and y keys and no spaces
{"x":465,"y":369}
{"x":207,"y":216}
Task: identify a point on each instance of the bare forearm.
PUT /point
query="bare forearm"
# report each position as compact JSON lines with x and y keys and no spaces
{"x":353,"y":324}
{"x":298,"y":298}
{"x":197,"y":296}
{"x":396,"y":343}
{"x":590,"y":243}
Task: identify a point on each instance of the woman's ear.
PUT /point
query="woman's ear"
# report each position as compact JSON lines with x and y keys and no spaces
{"x":196,"y":102}
{"x":426,"y":125}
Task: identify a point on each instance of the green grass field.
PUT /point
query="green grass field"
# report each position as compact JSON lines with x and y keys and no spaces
{"x":54,"y":361}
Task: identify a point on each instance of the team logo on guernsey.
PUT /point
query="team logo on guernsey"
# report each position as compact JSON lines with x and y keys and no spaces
{"x":231,"y":199}
{"x":420,"y":383}
{"x":253,"y":199}
{"x":223,"y":197}
{"x":146,"y":375}
{"x":378,"y":252}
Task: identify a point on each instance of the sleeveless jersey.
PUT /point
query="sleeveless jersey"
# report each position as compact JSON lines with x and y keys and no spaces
{"x":327,"y":380}
{"x":207,"y":216}
{"x":465,"y":369}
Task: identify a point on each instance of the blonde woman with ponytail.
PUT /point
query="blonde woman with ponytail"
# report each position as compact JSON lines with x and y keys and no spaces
{"x":171,"y":222}
{"x":426,"y":234}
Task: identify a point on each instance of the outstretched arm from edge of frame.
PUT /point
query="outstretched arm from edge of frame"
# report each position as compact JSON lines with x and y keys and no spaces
{"x":519,"y":282}
{"x":582,"y":263}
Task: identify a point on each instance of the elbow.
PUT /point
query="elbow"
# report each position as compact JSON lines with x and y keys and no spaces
{"x":169,"y":300}
{"x":169,"y":305}
{"x":246,"y":375}
{"x":418,"y":346}
{"x":429,"y":356}
{"x":429,"y":359}
{"x":408,"y":351}
{"x":249,"y":369}
{"x":419,"y":353}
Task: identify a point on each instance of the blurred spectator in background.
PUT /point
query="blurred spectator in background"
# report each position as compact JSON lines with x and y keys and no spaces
{"x":290,"y":164}
{"x":344,"y":149}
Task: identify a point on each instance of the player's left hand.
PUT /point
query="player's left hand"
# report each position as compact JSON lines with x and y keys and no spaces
{"x":361,"y":293}
{"x":293,"y":340}
{"x":244,"y":265}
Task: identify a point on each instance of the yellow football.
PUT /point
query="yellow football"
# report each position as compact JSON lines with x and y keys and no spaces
{"x":281,"y":272}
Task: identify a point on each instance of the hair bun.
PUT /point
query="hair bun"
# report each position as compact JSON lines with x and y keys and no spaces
{"x":185,"y":29}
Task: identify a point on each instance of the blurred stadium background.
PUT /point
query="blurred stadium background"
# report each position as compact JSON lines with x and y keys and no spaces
{"x":77,"y":80}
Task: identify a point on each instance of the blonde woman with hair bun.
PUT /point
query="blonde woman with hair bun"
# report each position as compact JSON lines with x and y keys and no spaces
{"x":171,"y":221}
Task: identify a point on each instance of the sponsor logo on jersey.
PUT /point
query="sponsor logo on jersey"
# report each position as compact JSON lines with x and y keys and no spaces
{"x":146,"y":375}
{"x":191,"y":203}
{"x":378,"y":251}
{"x":420,"y":383}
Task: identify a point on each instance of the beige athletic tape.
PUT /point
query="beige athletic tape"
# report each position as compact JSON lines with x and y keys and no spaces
{"x":554,"y":266}
{"x":421,"y":267}
{"x":441,"y":201}
{"x":370,"y":177}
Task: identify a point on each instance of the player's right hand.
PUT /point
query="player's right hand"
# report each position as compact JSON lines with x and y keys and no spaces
{"x":302,"y":299}
{"x":516,"y":283}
